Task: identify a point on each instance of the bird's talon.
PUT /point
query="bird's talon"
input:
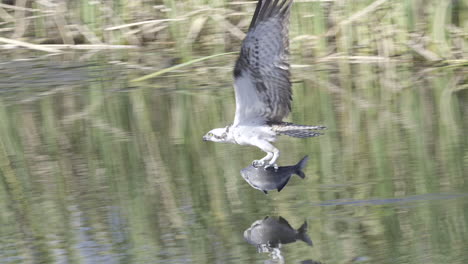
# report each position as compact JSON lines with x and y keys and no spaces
{"x":257,"y":163}
{"x":275,"y":166}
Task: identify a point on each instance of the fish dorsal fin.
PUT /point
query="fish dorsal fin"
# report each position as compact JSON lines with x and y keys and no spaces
{"x":283,"y":184}
{"x":283,"y":221}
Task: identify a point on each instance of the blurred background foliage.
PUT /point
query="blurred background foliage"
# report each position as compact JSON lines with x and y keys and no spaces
{"x":420,"y":30}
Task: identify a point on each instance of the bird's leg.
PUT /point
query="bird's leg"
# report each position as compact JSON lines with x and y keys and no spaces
{"x":272,"y":162}
{"x":272,"y":154}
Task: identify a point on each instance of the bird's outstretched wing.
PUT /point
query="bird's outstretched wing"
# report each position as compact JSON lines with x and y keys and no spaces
{"x":261,"y":74}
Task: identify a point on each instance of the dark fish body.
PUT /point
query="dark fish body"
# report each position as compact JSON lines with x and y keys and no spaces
{"x":272,"y":232}
{"x":266,"y":179}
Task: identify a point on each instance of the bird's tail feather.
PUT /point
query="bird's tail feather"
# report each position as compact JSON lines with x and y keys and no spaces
{"x":294,"y":130}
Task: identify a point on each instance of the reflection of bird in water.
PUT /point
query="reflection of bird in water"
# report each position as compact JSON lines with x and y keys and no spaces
{"x":271,"y":179}
{"x":276,"y":257}
{"x":262,"y":85}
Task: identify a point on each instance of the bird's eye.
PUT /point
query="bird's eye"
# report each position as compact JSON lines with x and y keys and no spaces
{"x":210,"y":134}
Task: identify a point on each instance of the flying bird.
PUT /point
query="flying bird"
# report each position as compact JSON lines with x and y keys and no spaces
{"x":262,"y":86}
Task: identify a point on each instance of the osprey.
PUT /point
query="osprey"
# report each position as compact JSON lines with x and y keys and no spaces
{"x":262,"y":85}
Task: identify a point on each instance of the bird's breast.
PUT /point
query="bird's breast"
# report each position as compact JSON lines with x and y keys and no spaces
{"x":246,"y":135}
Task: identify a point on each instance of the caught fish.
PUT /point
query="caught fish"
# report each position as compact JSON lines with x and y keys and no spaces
{"x":271,"y":232}
{"x":267,"y":179}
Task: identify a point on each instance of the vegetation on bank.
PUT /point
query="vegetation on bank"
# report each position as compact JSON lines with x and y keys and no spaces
{"x":365,"y":30}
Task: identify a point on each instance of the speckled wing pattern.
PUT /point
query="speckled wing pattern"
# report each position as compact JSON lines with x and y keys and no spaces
{"x":261,"y":73}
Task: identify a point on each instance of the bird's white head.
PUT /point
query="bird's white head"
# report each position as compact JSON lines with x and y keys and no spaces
{"x":218,"y":135}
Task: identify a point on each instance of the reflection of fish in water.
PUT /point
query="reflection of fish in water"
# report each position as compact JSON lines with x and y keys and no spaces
{"x":266,"y":179}
{"x":271,"y":232}
{"x":310,"y":261}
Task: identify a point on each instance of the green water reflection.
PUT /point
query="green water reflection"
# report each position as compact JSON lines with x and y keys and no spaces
{"x":93,"y":172}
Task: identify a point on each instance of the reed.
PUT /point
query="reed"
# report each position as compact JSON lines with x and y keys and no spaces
{"x":406,"y":29}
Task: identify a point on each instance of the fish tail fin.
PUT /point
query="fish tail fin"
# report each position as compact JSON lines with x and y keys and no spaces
{"x":300,"y":166}
{"x":302,"y":234}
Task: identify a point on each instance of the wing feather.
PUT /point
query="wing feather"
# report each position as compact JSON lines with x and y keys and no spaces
{"x":261,"y":74}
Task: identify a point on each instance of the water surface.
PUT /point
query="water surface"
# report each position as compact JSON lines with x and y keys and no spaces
{"x":97,"y":169}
